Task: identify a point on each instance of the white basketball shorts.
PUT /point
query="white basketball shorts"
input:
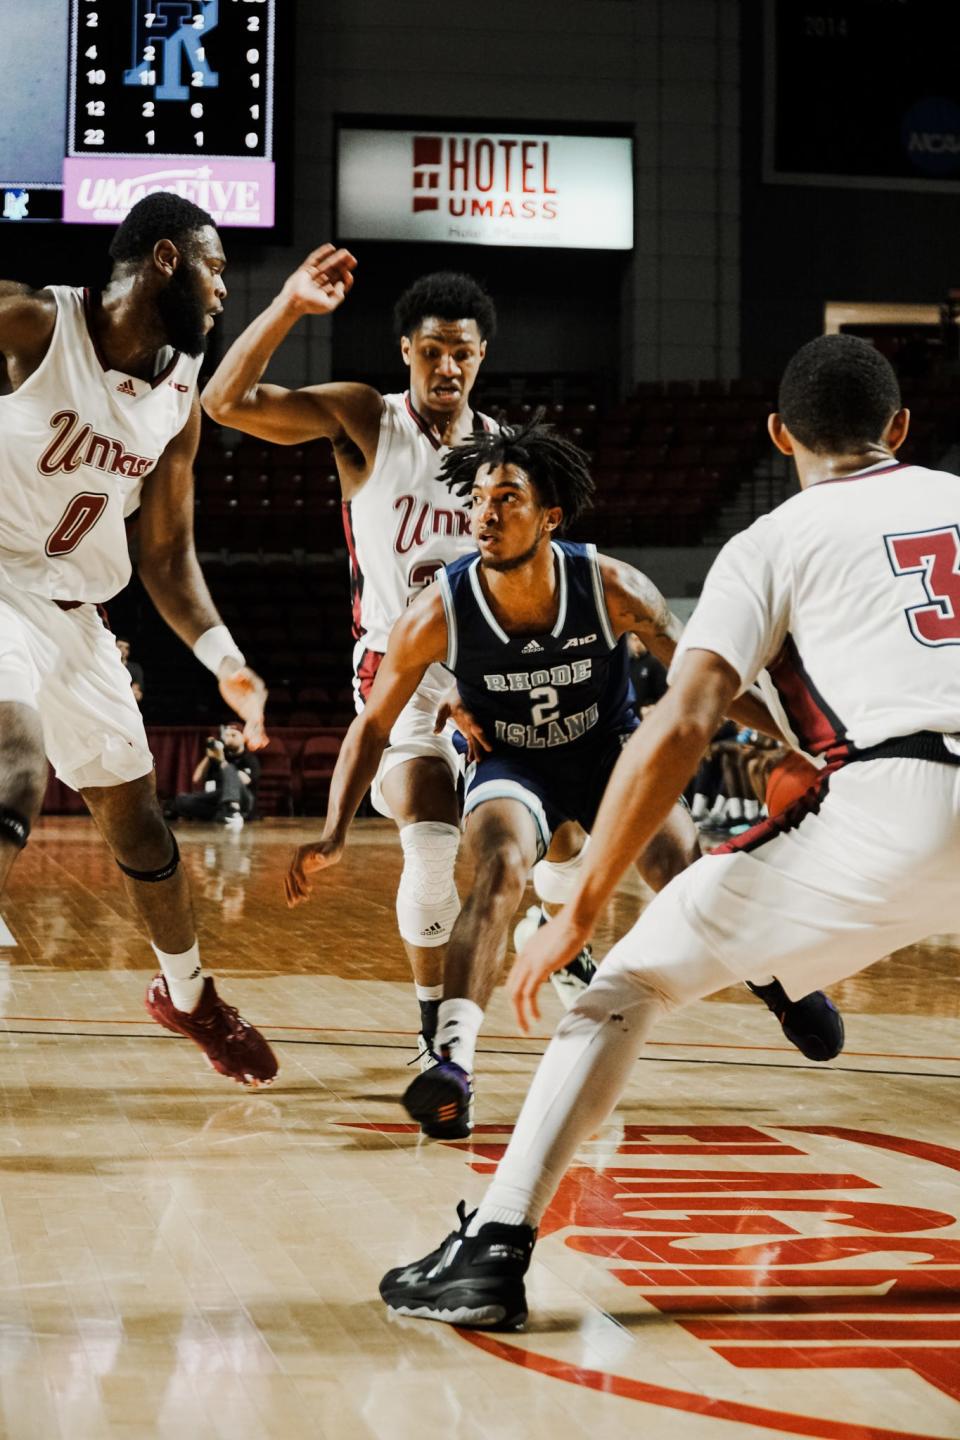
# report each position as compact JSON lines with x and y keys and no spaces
{"x":412,"y":736}
{"x":65,"y":664}
{"x":874,"y":869}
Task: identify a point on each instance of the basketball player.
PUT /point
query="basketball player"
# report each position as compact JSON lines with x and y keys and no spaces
{"x":388,"y":451}
{"x":534,"y":631}
{"x":104,"y":419}
{"x":848,"y":595}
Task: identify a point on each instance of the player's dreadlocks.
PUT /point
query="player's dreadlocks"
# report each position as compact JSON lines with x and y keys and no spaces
{"x":556,"y":466}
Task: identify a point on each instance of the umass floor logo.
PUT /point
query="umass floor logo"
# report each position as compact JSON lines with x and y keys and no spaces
{"x":690,"y":1257}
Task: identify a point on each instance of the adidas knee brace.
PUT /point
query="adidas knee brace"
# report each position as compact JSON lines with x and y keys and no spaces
{"x":554,"y":881}
{"x":427,"y":900}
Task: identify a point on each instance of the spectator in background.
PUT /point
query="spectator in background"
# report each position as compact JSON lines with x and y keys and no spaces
{"x":722,"y":796}
{"x":134,"y":668}
{"x":229,"y":778}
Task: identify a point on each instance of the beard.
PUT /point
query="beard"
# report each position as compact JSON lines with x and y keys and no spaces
{"x":182,"y":312}
{"x":514,"y":562}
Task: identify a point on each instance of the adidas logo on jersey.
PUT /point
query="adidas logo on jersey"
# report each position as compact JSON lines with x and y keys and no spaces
{"x":531,"y":648}
{"x":127,"y":387}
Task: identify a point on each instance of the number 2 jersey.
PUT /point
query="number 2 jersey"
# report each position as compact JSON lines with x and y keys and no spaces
{"x":540,"y":694}
{"x":76,"y":443}
{"x":403,"y":524}
{"x":848,"y":596}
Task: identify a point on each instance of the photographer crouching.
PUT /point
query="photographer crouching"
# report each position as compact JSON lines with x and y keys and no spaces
{"x":229,"y":778}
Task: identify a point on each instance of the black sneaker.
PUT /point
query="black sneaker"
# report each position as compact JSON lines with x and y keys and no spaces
{"x":441,"y":1101}
{"x":813,"y":1024}
{"x":472,"y":1280}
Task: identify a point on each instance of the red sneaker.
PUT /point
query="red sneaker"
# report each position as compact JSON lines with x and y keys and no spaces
{"x":231,"y":1044}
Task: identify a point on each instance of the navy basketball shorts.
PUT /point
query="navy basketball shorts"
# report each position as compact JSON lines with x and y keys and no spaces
{"x":555,"y":785}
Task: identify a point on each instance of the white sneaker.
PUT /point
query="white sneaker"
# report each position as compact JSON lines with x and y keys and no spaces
{"x":525,"y":929}
{"x":427,"y":1058}
{"x":573,"y":979}
{"x":234,"y":821}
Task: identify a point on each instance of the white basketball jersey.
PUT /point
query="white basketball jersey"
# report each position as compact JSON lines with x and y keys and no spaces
{"x":849,"y":595}
{"x":403,"y":524}
{"x":76,"y":441}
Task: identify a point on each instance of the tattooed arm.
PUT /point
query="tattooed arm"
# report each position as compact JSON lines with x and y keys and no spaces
{"x":635,"y":604}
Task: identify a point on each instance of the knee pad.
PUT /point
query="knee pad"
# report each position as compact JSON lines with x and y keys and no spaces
{"x":163,"y":873}
{"x":427,"y":900}
{"x":554,"y":881}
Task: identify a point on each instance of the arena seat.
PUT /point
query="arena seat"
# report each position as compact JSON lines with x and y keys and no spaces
{"x":317,"y":761}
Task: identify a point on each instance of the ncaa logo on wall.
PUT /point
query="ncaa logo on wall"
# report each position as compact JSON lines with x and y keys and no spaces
{"x":712,"y":1254}
{"x":930,"y":134}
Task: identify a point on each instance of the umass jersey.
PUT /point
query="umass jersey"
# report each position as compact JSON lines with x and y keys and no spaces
{"x":540,"y":694}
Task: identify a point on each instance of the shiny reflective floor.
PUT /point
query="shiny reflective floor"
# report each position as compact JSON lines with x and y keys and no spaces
{"x":753,"y":1246}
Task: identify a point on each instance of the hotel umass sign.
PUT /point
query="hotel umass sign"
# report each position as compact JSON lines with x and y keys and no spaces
{"x":560,"y":191}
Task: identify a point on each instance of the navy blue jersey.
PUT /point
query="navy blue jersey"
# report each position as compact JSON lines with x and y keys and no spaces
{"x":539,"y":692}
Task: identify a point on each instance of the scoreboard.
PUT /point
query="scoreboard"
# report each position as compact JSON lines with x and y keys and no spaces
{"x":171,"y":77}
{"x":160,"y":81}
{"x":156,"y":94}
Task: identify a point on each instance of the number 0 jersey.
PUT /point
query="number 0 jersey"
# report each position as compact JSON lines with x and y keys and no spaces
{"x":848,"y":596}
{"x":539,"y":693}
{"x":76,"y":442}
{"x":402,"y":524}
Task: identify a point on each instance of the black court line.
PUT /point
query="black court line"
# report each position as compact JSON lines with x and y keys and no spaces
{"x":826,"y":1069}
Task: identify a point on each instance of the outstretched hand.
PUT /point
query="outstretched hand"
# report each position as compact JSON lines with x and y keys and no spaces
{"x":453,"y":708}
{"x":307,"y":861}
{"x":246,"y":693}
{"x":553,"y":946}
{"x":322,"y":282}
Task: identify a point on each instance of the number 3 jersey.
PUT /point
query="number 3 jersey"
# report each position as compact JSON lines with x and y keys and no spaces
{"x":539,"y":693}
{"x":848,"y":597}
{"x":403,"y":524}
{"x":76,"y":442}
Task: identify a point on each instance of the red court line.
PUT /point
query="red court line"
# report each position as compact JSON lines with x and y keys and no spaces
{"x":411,"y":1034}
{"x":717,"y":1409}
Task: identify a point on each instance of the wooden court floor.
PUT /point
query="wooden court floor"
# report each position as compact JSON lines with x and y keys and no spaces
{"x":753,"y":1246}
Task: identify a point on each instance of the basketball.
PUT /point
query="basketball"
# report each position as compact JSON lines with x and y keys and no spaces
{"x":787,"y":781}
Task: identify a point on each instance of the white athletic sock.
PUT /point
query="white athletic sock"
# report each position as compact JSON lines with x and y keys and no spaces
{"x":458,"y":1026}
{"x":698,"y":806}
{"x":734,"y":808}
{"x":428,"y":992}
{"x":490,"y":1215}
{"x":184,"y":976}
{"x":579,"y":1080}
{"x":762,"y":980}
{"x":751,"y":809}
{"x":554,"y":881}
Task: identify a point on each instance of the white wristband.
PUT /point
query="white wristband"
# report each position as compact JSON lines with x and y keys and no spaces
{"x":216,"y":645}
